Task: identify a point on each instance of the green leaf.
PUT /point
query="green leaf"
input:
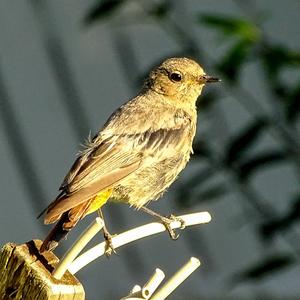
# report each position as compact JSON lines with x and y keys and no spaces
{"x":243,"y":140}
{"x":101,"y":10}
{"x":161,"y":9}
{"x":233,"y":60}
{"x":293,"y":104}
{"x":278,"y":56}
{"x":246,"y":169}
{"x":266,"y":267}
{"x":231,"y":26}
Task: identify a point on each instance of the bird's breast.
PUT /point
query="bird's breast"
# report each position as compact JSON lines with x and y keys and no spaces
{"x":154,"y":176}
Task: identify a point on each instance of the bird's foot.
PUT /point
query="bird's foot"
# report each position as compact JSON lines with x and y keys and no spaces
{"x":177,"y":219}
{"x":167,"y":223}
{"x":109,"y":248}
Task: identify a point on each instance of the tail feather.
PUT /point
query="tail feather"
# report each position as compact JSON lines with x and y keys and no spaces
{"x":67,"y":220}
{"x":58,"y":198}
{"x":56,"y":234}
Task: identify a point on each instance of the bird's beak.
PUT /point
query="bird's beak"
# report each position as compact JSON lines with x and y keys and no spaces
{"x":208,"y":79}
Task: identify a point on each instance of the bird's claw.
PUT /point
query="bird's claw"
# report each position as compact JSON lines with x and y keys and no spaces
{"x":172,"y":233}
{"x":109,"y":248}
{"x":168,"y":220}
{"x":177,"y":219}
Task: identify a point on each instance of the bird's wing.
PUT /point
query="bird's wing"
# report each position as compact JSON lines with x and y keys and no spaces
{"x":110,"y":160}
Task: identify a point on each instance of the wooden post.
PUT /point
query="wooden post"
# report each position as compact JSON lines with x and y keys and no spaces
{"x":26,"y":274}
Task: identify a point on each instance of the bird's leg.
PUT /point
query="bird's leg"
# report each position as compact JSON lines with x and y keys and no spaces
{"x":109,"y":248}
{"x":166,"y":221}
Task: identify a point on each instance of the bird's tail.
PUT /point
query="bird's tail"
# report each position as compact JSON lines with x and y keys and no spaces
{"x":70,"y":218}
{"x":58,"y":232}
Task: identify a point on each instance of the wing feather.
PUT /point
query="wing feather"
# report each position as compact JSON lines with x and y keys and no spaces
{"x":70,"y":201}
{"x":111,"y":157}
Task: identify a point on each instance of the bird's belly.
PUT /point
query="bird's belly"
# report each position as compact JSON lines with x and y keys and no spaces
{"x":149,"y":182}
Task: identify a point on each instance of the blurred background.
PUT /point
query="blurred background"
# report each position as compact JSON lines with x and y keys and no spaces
{"x":66,"y":65}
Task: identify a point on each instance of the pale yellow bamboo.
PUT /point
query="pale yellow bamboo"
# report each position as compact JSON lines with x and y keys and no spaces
{"x":155,"y":280}
{"x":133,"y":235}
{"x":77,"y":247}
{"x":177,"y":279}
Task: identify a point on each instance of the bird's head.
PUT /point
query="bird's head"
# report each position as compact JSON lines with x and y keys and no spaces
{"x":179,"y":79}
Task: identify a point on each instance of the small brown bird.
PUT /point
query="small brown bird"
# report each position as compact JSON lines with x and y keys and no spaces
{"x":139,"y":152}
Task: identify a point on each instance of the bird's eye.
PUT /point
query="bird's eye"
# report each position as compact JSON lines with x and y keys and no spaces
{"x":175,"y":76}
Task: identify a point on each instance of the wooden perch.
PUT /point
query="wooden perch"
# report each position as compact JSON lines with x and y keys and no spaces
{"x":26,"y":274}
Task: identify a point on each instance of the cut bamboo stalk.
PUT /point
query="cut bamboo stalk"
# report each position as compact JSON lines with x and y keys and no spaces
{"x":26,"y":274}
{"x":136,"y":234}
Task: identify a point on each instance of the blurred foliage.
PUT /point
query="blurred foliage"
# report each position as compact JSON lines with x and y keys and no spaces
{"x":237,"y":145}
{"x":160,"y":9}
{"x":263,"y":159}
{"x":265,"y":268}
{"x":277,"y":58}
{"x":292,"y":105}
{"x":234,"y":59}
{"x":244,"y":34}
{"x":102,"y":9}
{"x":232,"y":26}
{"x":270,"y":228}
{"x":241,"y":159}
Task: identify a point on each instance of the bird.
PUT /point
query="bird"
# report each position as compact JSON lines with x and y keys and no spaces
{"x":138,"y":153}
